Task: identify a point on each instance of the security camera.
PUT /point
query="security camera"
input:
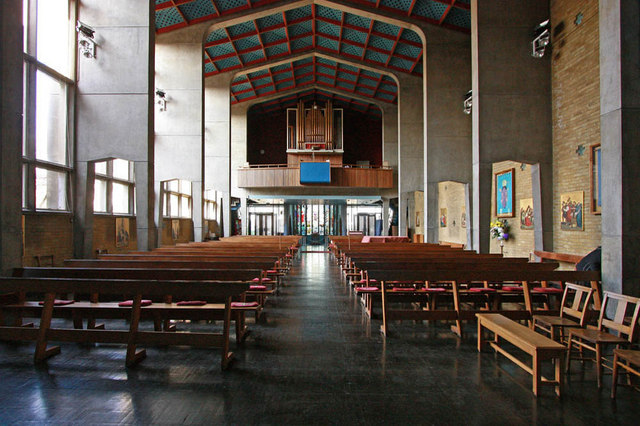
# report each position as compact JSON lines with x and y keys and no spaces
{"x":85,"y":30}
{"x":541,"y":39}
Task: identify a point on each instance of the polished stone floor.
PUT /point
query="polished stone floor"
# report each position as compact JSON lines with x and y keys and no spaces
{"x":317,"y":360}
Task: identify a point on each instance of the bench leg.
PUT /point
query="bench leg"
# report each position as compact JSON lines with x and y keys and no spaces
{"x":384,"y":328}
{"x":42,"y":352}
{"x":480,"y":337}
{"x":227,"y":356}
{"x":134,"y":357}
{"x":559,"y":363}
{"x":599,"y":364}
{"x":537,"y":378}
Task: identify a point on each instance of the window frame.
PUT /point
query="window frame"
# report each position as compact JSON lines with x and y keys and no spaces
{"x":181,"y":196}
{"x":110,"y":180}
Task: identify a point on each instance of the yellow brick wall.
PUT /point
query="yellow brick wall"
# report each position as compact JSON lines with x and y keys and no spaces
{"x":104,"y":234}
{"x":521,"y":241}
{"x":47,"y":234}
{"x":451,"y":196}
{"x":576,"y":115}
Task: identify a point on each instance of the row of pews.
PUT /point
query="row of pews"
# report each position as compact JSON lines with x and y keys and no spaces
{"x":563,"y":311}
{"x":214,"y":281}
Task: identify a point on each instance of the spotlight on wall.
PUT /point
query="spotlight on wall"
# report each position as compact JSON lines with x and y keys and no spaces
{"x":86,"y":42}
{"x":467,"y":104}
{"x":161,"y":99}
{"x":541,"y":39}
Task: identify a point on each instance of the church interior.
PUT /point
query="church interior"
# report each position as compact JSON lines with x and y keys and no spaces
{"x":319,"y":211}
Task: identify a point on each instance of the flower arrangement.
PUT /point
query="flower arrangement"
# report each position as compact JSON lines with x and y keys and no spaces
{"x":500,"y":230}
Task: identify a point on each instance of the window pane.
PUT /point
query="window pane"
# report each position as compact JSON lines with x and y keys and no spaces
{"x":173,"y":206}
{"x":185,"y":187}
{"x":51,"y":190}
{"x":51,"y":120}
{"x":121,"y":169}
{"x":185,"y":210}
{"x":25,"y":177}
{"x":120,"y":198}
{"x":52,"y":39}
{"x":101,"y":168}
{"x":100,"y":196}
{"x":172,"y":186}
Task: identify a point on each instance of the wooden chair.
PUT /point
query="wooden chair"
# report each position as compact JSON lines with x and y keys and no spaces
{"x":576,"y":307}
{"x":624,"y":358}
{"x":596,"y":340}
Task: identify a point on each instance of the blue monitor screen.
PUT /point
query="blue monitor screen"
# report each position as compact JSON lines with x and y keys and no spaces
{"x":315,"y":172}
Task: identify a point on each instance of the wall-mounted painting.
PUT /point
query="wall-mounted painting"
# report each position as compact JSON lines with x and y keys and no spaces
{"x":443,"y":217}
{"x":463,"y":217}
{"x":571,"y":209}
{"x":596,"y":179}
{"x":526,"y":213}
{"x":505,"y":182}
{"x":175,"y":229}
{"x":122,"y":232}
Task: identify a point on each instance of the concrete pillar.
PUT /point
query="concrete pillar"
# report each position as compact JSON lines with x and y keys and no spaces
{"x":217,"y":140}
{"x":448,"y":144}
{"x":11,"y":135}
{"x":114,"y":104}
{"x":411,"y":143}
{"x":179,"y":130}
{"x":385,"y":216}
{"x":620,"y":132}
{"x":511,"y":116}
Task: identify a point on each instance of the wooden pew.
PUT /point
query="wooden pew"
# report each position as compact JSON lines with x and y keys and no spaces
{"x":540,"y":348}
{"x":133,"y":336}
{"x":525,"y":279}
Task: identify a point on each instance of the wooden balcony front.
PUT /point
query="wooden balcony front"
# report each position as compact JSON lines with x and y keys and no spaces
{"x":285,"y":176}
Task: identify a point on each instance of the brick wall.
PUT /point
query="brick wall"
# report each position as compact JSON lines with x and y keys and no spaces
{"x":47,"y":234}
{"x":104,"y":234}
{"x":451,"y":196}
{"x":521,"y":241}
{"x":576,"y":115}
{"x":185,"y":233}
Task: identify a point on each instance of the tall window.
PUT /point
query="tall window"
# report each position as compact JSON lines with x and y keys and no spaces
{"x":177,"y":198}
{"x":210,"y":205}
{"x":114,"y":188}
{"x":48,"y":95}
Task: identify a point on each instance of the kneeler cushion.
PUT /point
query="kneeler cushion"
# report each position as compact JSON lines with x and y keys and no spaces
{"x":482,"y":290}
{"x":433,"y":289}
{"x":546,"y":290}
{"x":404,"y":289}
{"x":512,"y":288}
{"x":192,"y":303}
{"x":144,"y":302}
{"x":367,"y":288}
{"x":244,"y":304}
{"x":257,"y":287}
{"x":59,"y":302}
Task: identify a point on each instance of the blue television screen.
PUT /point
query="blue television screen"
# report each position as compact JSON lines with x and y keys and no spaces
{"x":315,"y":172}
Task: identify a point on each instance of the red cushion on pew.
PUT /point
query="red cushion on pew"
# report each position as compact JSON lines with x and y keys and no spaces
{"x":244,"y":304}
{"x":264,"y":280}
{"x":144,"y":302}
{"x":257,"y":287}
{"x":367,"y":289}
{"x":272,"y":271}
{"x":288,"y":255}
{"x":482,"y":290}
{"x":433,"y":289}
{"x":549,"y":290}
{"x":192,"y":303}
{"x":404,"y":289}
{"x":512,"y":288}
{"x":59,"y":302}
{"x":373,"y":281}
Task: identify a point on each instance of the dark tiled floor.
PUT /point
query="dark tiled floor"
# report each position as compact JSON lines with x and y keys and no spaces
{"x":317,"y":360}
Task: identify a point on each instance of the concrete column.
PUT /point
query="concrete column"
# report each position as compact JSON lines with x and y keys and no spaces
{"x":114,"y":103}
{"x":217,"y":140}
{"x":448,"y":145}
{"x":511,"y":117}
{"x":11,"y":135}
{"x":411,"y":142}
{"x":620,"y":132}
{"x":179,"y":130}
{"x":385,"y":216}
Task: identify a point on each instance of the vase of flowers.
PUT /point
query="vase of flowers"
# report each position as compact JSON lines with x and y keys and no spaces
{"x":499,"y":230}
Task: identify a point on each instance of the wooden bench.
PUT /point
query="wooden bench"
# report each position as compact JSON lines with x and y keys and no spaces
{"x":133,"y":336}
{"x":540,"y":348}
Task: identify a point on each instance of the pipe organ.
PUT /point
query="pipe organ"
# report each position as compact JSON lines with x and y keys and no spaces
{"x":316,"y":134}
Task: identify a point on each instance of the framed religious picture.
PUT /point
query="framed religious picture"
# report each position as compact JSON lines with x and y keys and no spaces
{"x":443,"y":217}
{"x":571,"y":210}
{"x":175,"y":229}
{"x":122,"y":232}
{"x":505,"y":182}
{"x":526,"y":213}
{"x":596,"y":179}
